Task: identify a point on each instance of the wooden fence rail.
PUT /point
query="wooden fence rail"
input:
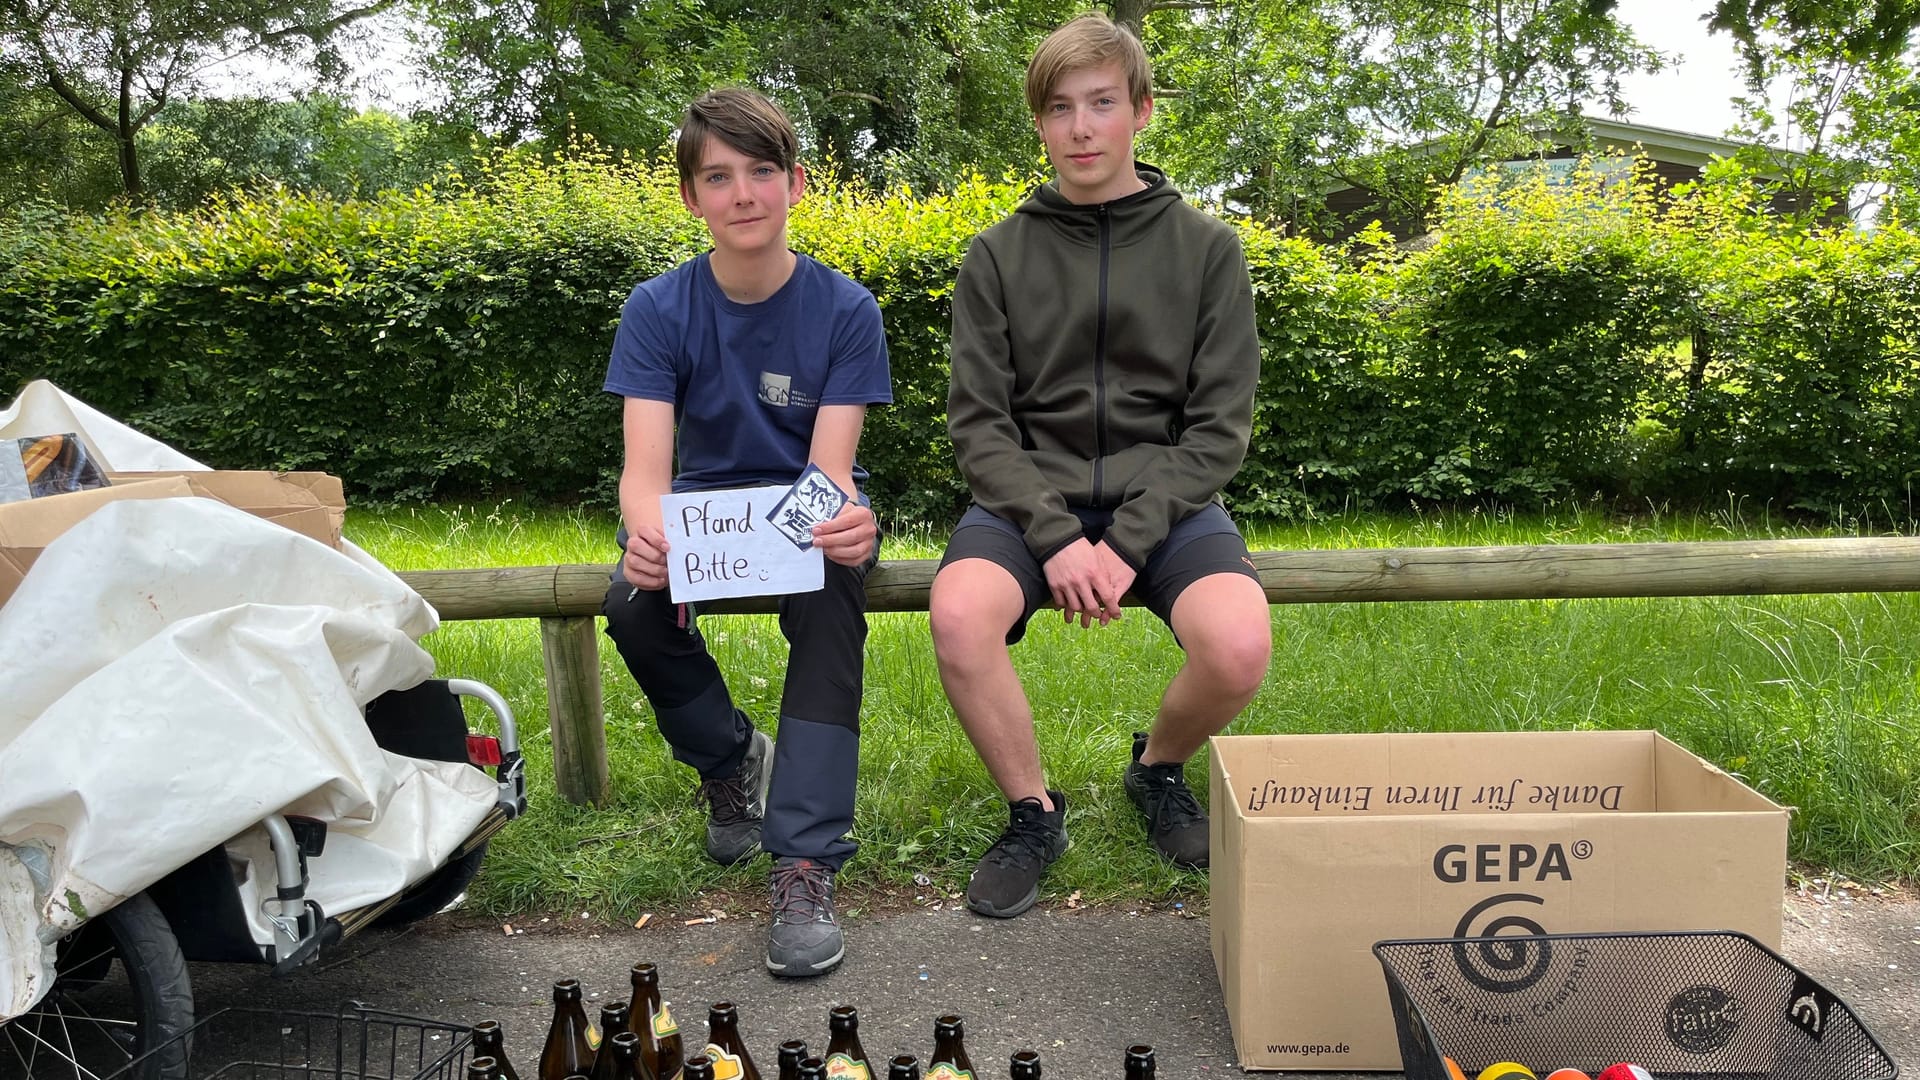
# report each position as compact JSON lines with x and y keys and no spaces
{"x":567,"y":598}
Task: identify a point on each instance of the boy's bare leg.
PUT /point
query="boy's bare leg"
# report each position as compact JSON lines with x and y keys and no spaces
{"x":1226,"y":627}
{"x":974,"y":602}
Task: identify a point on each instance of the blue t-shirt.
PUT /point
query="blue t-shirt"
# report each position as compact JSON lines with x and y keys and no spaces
{"x":747,"y":380}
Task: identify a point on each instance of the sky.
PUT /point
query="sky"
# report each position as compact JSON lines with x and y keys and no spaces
{"x":1694,"y":93}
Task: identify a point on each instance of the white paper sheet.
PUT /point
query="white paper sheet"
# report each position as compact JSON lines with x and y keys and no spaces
{"x":720,"y":543}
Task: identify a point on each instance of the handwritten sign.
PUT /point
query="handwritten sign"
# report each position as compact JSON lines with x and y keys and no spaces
{"x":720,"y":544}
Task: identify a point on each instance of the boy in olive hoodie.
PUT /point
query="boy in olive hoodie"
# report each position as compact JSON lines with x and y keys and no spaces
{"x":1104,"y":365}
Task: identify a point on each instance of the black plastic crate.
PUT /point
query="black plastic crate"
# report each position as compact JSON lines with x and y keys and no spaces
{"x":356,"y":1043}
{"x":1692,"y":1004}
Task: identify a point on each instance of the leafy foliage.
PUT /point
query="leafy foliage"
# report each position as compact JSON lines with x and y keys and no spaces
{"x":1552,"y":340}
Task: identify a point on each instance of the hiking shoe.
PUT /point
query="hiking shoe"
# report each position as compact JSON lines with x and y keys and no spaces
{"x":805,"y":939}
{"x":1006,"y":881}
{"x":1175,"y":823}
{"x":736,"y":804}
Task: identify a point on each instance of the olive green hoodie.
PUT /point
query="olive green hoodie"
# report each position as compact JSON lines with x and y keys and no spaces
{"x":1103,"y":356}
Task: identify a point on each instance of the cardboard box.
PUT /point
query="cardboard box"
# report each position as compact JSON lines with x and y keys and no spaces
{"x":310,"y":503}
{"x":28,"y":526}
{"x":1325,"y":844}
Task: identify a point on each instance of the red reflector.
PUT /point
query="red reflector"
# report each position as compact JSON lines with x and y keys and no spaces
{"x":483,"y":750}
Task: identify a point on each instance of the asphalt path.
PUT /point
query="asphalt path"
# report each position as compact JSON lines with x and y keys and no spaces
{"x":1077,"y":984}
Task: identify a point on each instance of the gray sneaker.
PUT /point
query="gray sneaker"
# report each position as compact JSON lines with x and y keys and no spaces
{"x":736,"y":804}
{"x":805,"y":939}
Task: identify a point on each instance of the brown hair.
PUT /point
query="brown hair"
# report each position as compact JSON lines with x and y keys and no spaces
{"x":741,"y":118}
{"x":1086,"y":41}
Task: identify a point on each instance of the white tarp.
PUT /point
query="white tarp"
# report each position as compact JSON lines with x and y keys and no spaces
{"x":173,"y":671}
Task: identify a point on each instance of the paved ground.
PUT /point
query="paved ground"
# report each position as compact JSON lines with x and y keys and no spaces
{"x":1078,"y":985}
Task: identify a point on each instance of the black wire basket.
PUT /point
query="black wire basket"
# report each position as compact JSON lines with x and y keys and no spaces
{"x":1694,"y":1004}
{"x":355,"y":1043}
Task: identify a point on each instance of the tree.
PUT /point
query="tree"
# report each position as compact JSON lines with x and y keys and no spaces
{"x":1834,"y":116}
{"x":117,"y":63}
{"x":1395,"y":96}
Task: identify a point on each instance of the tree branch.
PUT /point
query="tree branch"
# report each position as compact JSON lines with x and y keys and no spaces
{"x":81,"y":105}
{"x":318,"y":32}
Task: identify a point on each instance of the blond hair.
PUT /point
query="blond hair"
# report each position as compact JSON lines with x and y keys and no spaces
{"x":744,"y":120}
{"x":1087,"y":41}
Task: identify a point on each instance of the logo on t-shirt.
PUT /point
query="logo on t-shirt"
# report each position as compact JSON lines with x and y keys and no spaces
{"x":775,"y":389}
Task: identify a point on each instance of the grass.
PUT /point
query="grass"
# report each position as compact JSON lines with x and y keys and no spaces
{"x":1813,"y":700}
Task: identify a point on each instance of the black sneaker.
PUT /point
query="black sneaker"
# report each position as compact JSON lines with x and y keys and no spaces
{"x":1006,"y":881}
{"x":736,"y":804}
{"x":1175,"y":823}
{"x":805,"y":939}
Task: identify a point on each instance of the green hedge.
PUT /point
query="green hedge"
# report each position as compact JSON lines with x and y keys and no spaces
{"x":1545,"y":342}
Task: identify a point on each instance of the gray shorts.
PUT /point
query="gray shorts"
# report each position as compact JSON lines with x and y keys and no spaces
{"x":1200,"y":545}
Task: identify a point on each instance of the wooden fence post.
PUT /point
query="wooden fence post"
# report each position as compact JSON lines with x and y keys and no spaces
{"x":571,"y":650}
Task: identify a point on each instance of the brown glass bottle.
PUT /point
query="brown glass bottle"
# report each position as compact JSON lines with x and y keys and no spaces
{"x":490,"y":1040}
{"x":613,"y":1021}
{"x":567,"y":1053}
{"x":791,"y":1053}
{"x":1025,"y":1065}
{"x":483,"y":1068}
{"x":813,"y":1068}
{"x":724,"y":1045}
{"x":904,"y":1067}
{"x":949,"y":1060}
{"x":649,"y":1018}
{"x":845,"y":1056}
{"x":1140,"y":1062}
{"x":698,"y":1067}
{"x":620,"y":1058}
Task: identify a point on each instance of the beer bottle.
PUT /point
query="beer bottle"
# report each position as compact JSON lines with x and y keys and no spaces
{"x":490,"y":1040}
{"x":724,"y":1045}
{"x":1025,"y":1066}
{"x":845,"y":1056}
{"x":949,"y":1060}
{"x":613,"y":1020}
{"x":620,"y":1058}
{"x":904,"y":1067}
{"x":567,"y":1052}
{"x":1140,"y":1062}
{"x":647,"y":1015}
{"x":698,"y":1067}
{"x":483,"y":1068}
{"x":813,"y":1069}
{"x":791,"y":1052}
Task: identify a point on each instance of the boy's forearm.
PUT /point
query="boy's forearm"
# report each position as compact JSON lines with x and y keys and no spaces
{"x":986,"y":441}
{"x":1188,"y":475}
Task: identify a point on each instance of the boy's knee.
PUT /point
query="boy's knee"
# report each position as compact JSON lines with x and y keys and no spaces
{"x":1237,"y":662}
{"x":962,"y":625}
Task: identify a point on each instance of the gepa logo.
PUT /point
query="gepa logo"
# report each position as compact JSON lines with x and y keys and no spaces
{"x":1492,"y":863}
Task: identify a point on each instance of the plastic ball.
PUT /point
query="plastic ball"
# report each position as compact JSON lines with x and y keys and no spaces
{"x":1453,"y":1069}
{"x":1567,"y":1074}
{"x":1624,"y":1071}
{"x":1506,"y":1070}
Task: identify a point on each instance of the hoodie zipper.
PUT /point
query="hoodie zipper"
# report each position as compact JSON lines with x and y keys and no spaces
{"x":1100,"y":366}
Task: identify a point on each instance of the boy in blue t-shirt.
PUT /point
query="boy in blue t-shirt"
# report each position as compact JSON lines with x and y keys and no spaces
{"x":751,"y":361}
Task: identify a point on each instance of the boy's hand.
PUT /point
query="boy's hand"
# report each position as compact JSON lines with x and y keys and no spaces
{"x":850,"y":537}
{"x":1081,"y":577}
{"x":645,"y":563}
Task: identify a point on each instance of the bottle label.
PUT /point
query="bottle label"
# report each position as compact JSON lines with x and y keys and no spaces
{"x":844,"y":1065}
{"x":944,"y":1071}
{"x":663,"y":1024}
{"x":725,"y":1066}
{"x":593,"y":1037}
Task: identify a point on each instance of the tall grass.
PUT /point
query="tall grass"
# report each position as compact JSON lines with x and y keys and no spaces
{"x":1813,"y":700}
